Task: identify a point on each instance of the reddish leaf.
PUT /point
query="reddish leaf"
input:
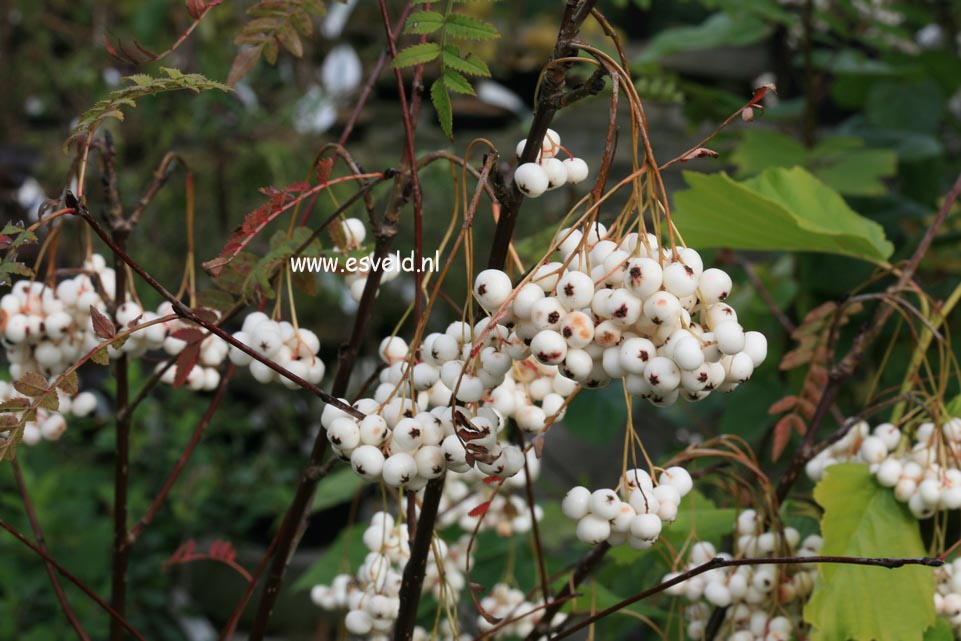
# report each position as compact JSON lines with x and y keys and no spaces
{"x":782,"y":436}
{"x":783,"y":405}
{"x":189,"y":334}
{"x":244,"y":61}
{"x":476,"y":589}
{"x":480,"y":510}
{"x":31,"y":384}
{"x":490,"y":480}
{"x":102,"y":326}
{"x":5,"y":241}
{"x":760,"y":92}
{"x":324,"y":167}
{"x":538,"y":443}
{"x":195,"y":8}
{"x":186,"y":361}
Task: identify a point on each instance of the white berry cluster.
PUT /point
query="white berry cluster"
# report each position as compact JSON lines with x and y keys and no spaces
{"x":923,"y":470}
{"x":507,"y":603}
{"x":46,"y":329}
{"x":507,"y":514}
{"x":947,"y":595}
{"x":294,"y":348}
{"x":51,"y":424}
{"x":763,"y":602}
{"x":371,"y":595}
{"x":637,"y":519}
{"x":628,"y":310}
{"x":548,"y":171}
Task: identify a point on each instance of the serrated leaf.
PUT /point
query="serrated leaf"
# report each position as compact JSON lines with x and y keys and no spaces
{"x":69,"y":384}
{"x":50,"y":402}
{"x":457,"y":83}
{"x":781,"y":209}
{"x":863,"y":519}
{"x":287,"y":36}
{"x":441,"y":100}
{"x":17,"y":404}
{"x":470,"y":65}
{"x":424,"y":22}
{"x":464,"y":27}
{"x":31,"y":384}
{"x":103,"y":327}
{"x":417,"y":55}
{"x":100,"y":357}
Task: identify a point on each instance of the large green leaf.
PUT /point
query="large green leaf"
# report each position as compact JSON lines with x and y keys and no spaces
{"x":719,"y":30}
{"x":862,"y":603}
{"x":338,"y":487}
{"x":841,"y":162}
{"x":780,"y":209}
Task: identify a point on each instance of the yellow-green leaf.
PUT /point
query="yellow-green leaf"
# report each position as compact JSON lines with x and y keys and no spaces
{"x":463,"y":27}
{"x":781,"y":209}
{"x":424,"y":22}
{"x":457,"y":83}
{"x":863,"y":603}
{"x":417,"y":55}
{"x":441,"y":100}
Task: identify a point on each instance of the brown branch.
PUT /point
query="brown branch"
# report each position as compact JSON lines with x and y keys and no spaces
{"x":551,"y":90}
{"x":42,"y":544}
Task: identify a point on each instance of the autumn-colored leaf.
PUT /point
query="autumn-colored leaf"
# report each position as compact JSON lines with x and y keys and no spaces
{"x":700,"y":152}
{"x":783,"y":405}
{"x":185,"y":363}
{"x":103,"y":327}
{"x":70,"y":384}
{"x":481,"y":509}
{"x":31,"y":384}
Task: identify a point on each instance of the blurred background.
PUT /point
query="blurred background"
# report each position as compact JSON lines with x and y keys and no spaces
{"x":868,"y":99}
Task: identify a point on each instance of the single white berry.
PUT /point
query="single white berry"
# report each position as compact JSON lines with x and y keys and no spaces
{"x":491,"y":288}
{"x":531,"y":179}
{"x":577,"y":170}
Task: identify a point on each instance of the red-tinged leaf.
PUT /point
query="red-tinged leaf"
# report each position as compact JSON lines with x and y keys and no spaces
{"x":110,"y":49}
{"x":783,"y":405}
{"x":134,"y":322}
{"x":206,"y":314}
{"x":189,"y":334}
{"x":760,"y":92}
{"x":195,"y":8}
{"x":538,"y":443}
{"x":481,"y":509}
{"x":102,"y":326}
{"x":185,"y":363}
{"x":31,"y":384}
{"x":16,"y":404}
{"x":244,"y":62}
{"x":323,"y":169}
{"x":806,"y":408}
{"x":183,"y":553}
{"x":700,"y":152}
{"x":70,"y":384}
{"x":5,"y":241}
{"x":490,"y":480}
{"x":475,"y":590}
{"x":255,"y":221}
{"x":782,"y":436}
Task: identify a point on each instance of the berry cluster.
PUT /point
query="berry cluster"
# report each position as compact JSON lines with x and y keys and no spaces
{"x":629,"y":311}
{"x":46,"y":329}
{"x":923,"y":472}
{"x":763,"y":602}
{"x":507,"y":603}
{"x":549,"y":171}
{"x":371,"y":596}
{"x":947,"y":595}
{"x":293,"y":348}
{"x":51,"y":424}
{"x":602,"y":515}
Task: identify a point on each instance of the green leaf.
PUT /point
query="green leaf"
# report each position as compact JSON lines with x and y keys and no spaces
{"x":441,"y":100}
{"x":940,"y":631}
{"x":721,"y":29}
{"x":954,"y":407}
{"x":841,"y":162}
{"x":417,"y":55}
{"x":338,"y":487}
{"x":457,"y":83}
{"x":345,"y":554}
{"x":470,"y":65}
{"x":781,"y":209}
{"x":863,"y":603}
{"x":424,"y":22}
{"x":464,"y":27}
